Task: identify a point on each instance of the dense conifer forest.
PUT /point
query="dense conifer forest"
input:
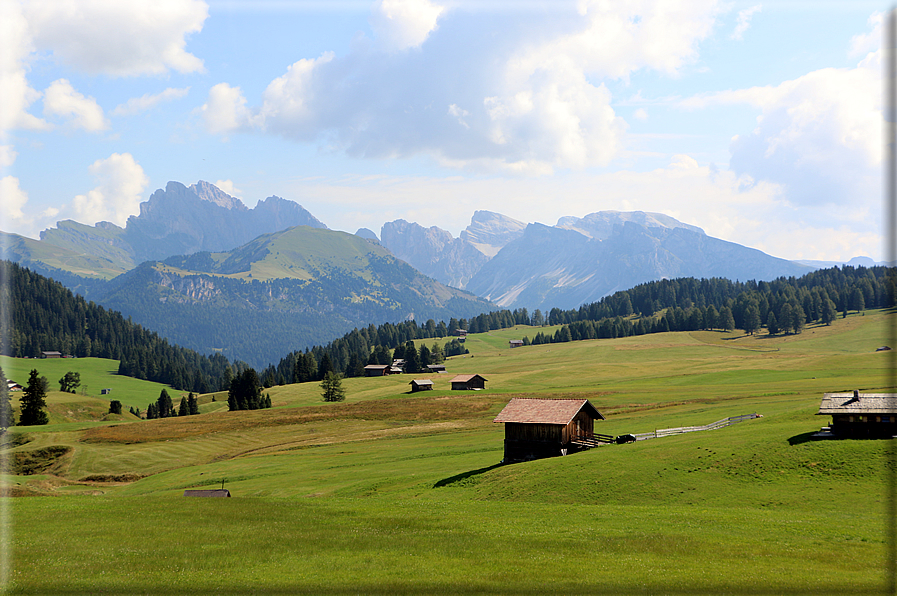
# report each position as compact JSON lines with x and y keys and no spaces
{"x":39,"y":314}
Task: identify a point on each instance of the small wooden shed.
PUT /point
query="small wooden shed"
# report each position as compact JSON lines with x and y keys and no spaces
{"x":861,"y":415}
{"x":537,"y":428}
{"x":214,"y":492}
{"x":515,"y":343}
{"x":376,"y":370}
{"x":468,"y":382}
{"x":51,"y":354}
{"x":436,"y":368}
{"x":421,"y":385}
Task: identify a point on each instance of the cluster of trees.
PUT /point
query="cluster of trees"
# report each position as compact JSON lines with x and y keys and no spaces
{"x":41,"y":315}
{"x":7,"y":416}
{"x":245,"y":392}
{"x":70,"y":382}
{"x":164,"y":407}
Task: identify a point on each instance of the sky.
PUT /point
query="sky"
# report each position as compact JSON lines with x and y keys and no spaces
{"x":759,"y":122}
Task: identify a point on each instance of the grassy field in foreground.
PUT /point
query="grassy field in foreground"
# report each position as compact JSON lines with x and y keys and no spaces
{"x":391,"y":493}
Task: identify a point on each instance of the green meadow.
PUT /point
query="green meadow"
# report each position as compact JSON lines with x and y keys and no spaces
{"x":391,"y":492}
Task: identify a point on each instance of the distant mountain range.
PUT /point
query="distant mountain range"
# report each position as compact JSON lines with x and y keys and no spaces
{"x":207,"y":272}
{"x":576,"y":261}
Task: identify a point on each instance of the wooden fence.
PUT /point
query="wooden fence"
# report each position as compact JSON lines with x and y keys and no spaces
{"x":666,"y":432}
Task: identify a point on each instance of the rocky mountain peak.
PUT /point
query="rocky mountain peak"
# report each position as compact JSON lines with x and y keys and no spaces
{"x":213,"y":194}
{"x":600,"y":225}
{"x":489,"y":232}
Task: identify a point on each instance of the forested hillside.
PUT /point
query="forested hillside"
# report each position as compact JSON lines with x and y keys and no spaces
{"x":784,"y":305}
{"x":39,"y":314}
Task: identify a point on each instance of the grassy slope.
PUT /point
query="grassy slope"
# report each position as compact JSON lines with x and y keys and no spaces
{"x":96,"y":374}
{"x":392,"y":493}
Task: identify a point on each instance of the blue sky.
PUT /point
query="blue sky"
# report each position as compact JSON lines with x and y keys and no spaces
{"x":758,"y":121}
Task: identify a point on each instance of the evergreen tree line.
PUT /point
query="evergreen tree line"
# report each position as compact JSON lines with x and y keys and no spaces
{"x":39,"y":314}
{"x":785,"y":305}
{"x":164,"y":407}
{"x":245,"y":392}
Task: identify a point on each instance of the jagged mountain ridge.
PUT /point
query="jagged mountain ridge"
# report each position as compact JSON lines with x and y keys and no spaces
{"x":578,"y":260}
{"x":177,"y":220}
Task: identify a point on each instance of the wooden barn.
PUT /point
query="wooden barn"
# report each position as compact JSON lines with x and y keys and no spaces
{"x":421,"y":385}
{"x":536,"y":428}
{"x":376,"y":370}
{"x":51,"y":354}
{"x":436,"y":368}
{"x":861,"y":415}
{"x":515,"y":343}
{"x":468,"y":382}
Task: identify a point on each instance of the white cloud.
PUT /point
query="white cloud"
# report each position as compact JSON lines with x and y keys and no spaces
{"x":225,"y":110}
{"x":404,"y":24}
{"x":12,"y":200}
{"x":135,"y":105}
{"x":137,"y":37}
{"x":870,"y":41}
{"x":744,"y":21}
{"x":818,"y":135}
{"x":120,"y":186}
{"x":61,"y":99}
{"x":641,"y":114}
{"x":15,"y":48}
{"x":526,"y":91}
{"x":8,"y":156}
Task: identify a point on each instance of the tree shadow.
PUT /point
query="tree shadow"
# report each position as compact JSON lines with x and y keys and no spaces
{"x":465,"y":475}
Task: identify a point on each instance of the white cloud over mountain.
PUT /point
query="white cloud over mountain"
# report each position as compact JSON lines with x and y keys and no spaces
{"x":119,"y":191}
{"x":531,"y":96}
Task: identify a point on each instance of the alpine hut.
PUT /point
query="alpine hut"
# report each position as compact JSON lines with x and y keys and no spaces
{"x":861,"y":415}
{"x":468,"y":382}
{"x":536,"y":428}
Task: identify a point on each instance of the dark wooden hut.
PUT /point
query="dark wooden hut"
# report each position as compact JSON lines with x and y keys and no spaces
{"x":861,"y":415}
{"x":376,"y":370}
{"x":536,"y":428}
{"x":468,"y":382}
{"x":421,"y":385}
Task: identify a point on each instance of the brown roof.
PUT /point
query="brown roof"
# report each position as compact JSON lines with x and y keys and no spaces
{"x":465,"y":378}
{"x":545,"y":411}
{"x":866,"y":403}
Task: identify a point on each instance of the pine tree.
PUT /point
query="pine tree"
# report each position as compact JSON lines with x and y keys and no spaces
{"x":70,"y":382}
{"x":751,"y":319}
{"x":192,"y":404}
{"x":33,"y":401}
{"x":164,"y":405}
{"x":183,"y":408}
{"x":115,"y":407}
{"x":772,"y":324}
{"x":332,"y":387}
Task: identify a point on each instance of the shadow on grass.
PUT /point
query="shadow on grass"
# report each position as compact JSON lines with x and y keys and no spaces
{"x":464,"y":476}
{"x":803,"y":438}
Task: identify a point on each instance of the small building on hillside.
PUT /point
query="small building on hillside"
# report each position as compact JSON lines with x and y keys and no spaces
{"x":51,"y":354}
{"x":515,"y":343}
{"x":861,"y":415}
{"x":468,"y":382}
{"x":12,"y":385}
{"x":421,"y":385}
{"x":436,"y":368}
{"x":105,"y":391}
{"x":214,"y":492}
{"x":537,"y":428}
{"x":376,"y":370}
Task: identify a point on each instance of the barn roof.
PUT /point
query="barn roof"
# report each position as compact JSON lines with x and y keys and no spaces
{"x":421,"y":382}
{"x":858,"y":403}
{"x":466,"y":378}
{"x":545,"y":411}
{"x":376,"y":367}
